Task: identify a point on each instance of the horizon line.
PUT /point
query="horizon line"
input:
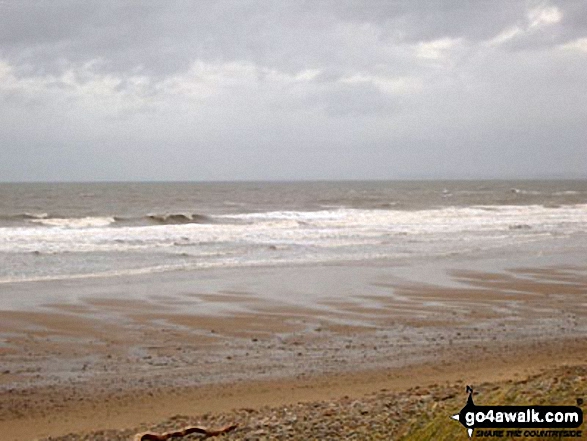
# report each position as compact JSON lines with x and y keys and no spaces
{"x":288,"y":181}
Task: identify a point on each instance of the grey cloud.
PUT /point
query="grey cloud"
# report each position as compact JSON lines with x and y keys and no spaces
{"x":163,"y":38}
{"x":159,"y":38}
{"x":574,"y":17}
{"x":250,"y":89}
{"x":572,"y":25}
{"x":417,"y":20}
{"x":362,"y":99}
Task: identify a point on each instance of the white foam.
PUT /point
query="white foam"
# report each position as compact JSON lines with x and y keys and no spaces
{"x":293,"y":236}
{"x":36,"y":215}
{"x":566,"y":192}
{"x":321,"y":228}
{"x":83,"y":222}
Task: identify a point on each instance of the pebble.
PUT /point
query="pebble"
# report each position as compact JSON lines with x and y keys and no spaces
{"x":384,"y":415}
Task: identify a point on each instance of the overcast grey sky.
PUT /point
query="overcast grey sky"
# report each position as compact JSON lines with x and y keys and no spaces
{"x":226,"y":90}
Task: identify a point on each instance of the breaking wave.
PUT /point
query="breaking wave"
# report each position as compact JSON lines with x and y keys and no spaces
{"x":22,"y":216}
{"x":92,"y":245}
{"x":44,"y":219}
{"x":82,"y":222}
{"x":179,"y":218}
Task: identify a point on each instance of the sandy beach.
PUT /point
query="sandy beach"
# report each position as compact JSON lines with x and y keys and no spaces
{"x":111,"y":364}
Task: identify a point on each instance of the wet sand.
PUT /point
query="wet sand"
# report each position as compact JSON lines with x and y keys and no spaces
{"x":104,"y":362}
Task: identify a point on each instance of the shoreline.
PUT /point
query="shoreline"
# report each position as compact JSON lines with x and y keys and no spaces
{"x":105,"y":363}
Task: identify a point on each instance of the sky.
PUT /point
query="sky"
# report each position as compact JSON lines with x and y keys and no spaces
{"x":292,"y":90}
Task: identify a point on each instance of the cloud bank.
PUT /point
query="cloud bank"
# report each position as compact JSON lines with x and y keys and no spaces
{"x":251,"y":90}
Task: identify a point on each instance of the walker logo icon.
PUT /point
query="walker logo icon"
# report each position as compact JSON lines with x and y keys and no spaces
{"x":481,"y":419}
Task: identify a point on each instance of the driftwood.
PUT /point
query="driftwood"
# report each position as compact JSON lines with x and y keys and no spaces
{"x":152,"y":436}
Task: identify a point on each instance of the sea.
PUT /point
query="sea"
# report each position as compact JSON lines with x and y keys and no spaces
{"x":65,"y":231}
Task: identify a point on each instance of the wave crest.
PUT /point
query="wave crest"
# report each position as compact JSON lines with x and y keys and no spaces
{"x":179,"y":218}
{"x":23,"y":216}
{"x":81,"y":222}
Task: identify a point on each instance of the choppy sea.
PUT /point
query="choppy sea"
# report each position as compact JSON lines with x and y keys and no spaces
{"x":76,"y":231}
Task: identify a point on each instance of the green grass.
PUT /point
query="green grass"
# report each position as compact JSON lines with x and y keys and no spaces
{"x":561,"y":387}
